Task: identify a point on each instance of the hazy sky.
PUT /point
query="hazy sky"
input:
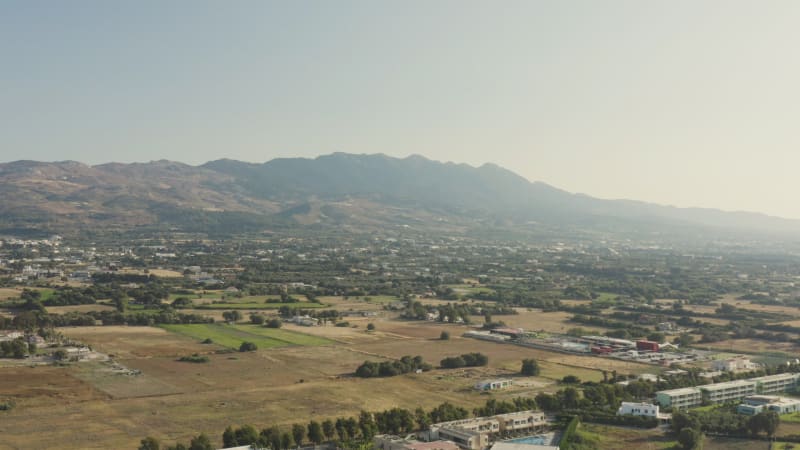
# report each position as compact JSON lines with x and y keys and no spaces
{"x":691,"y":103}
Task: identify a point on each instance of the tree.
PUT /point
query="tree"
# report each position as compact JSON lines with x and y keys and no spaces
{"x":121,"y":303}
{"x":422,"y":418}
{"x":229,"y":437}
{"x":286,"y":440}
{"x":367,"y":425}
{"x":149,"y":443}
{"x":248,"y":347}
{"x":328,"y":429}
{"x":444,"y":336}
{"x":569,"y":397}
{"x":201,"y":442}
{"x":689,"y":438}
{"x":246,"y":435}
{"x":298,"y":433}
{"x":530,"y":367}
{"x":232,"y":316}
{"x":341,"y":429}
{"x":684,"y":340}
{"x":370,"y":326}
{"x":257,"y":319}
{"x":315,"y":432}
{"x":274,"y":323}
{"x":351,"y":425}
{"x":271,"y":437}
{"x":771,"y":422}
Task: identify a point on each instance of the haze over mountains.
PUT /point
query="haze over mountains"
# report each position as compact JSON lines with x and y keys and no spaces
{"x":342,"y":190}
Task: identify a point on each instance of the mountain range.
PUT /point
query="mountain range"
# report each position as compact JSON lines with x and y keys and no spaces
{"x":360,"y":192}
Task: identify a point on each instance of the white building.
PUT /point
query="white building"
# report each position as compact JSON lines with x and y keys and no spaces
{"x":728,"y":391}
{"x":759,"y":403}
{"x":490,"y":385}
{"x":638,"y":409}
{"x":733,"y":364}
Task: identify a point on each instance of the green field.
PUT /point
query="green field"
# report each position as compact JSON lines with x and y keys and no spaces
{"x":381,"y":298}
{"x":468,"y":289}
{"x":290,"y":337}
{"x":250,"y":305}
{"x":232,"y":336}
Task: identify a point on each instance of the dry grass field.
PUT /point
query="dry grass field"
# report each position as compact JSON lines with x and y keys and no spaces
{"x":132,"y":342}
{"x":752,"y":346}
{"x":536,"y":320}
{"x":7,"y":293}
{"x":78,"y":308}
{"x":89,"y":405}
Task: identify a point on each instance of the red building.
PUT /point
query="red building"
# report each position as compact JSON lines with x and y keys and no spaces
{"x":647,"y":346}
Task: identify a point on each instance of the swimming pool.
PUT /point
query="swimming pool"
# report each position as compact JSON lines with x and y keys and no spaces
{"x":532,"y":440}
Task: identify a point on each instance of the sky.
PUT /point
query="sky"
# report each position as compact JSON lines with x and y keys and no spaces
{"x":686,"y":103}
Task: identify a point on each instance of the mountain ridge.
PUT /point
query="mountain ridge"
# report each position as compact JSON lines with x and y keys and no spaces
{"x":339,"y":189}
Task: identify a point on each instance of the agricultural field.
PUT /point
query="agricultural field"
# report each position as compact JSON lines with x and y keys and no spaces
{"x":297,"y":372}
{"x":232,"y":336}
{"x":256,"y":305}
{"x":7,"y":293}
{"x":753,"y":346}
{"x":79,"y":308}
{"x":535,"y":320}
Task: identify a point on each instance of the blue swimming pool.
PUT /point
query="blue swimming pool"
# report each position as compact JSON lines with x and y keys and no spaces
{"x":532,"y":440}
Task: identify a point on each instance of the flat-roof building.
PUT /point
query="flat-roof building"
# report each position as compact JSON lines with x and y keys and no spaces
{"x":478,"y":433}
{"x":638,"y":409}
{"x":759,"y":403}
{"x":780,"y":382}
{"x":680,"y":398}
{"x":727,"y":391}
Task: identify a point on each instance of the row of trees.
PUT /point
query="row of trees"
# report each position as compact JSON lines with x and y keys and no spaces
{"x":406,"y":364}
{"x":465,"y":360}
{"x":343,"y":429}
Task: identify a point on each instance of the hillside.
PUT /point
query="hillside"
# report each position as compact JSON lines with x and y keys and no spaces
{"x":342,"y":190}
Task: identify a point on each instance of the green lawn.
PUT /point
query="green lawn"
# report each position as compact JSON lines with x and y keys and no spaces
{"x":232,"y":336}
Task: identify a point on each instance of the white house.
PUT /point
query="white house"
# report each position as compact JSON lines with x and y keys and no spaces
{"x":638,"y":409}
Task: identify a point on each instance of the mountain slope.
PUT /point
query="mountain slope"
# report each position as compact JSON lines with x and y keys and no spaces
{"x":342,"y":190}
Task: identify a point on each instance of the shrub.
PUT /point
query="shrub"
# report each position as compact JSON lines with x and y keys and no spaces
{"x":195,"y":358}
{"x":248,"y":347}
